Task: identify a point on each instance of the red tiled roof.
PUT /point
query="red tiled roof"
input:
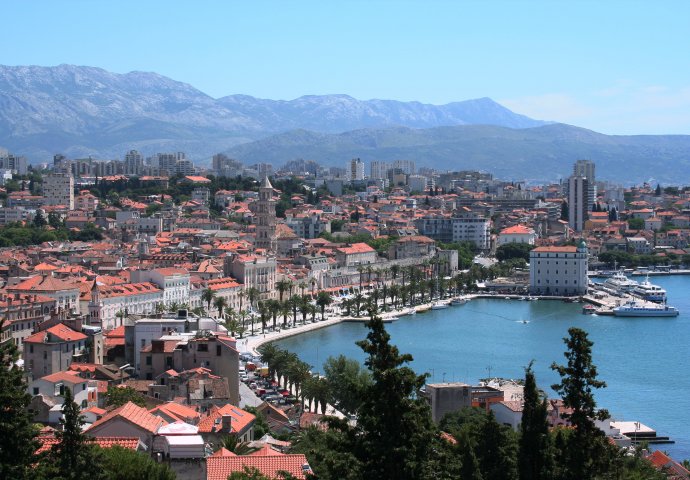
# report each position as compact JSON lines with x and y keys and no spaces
{"x":42,"y":283}
{"x":60,"y":331}
{"x":175,"y":410}
{"x":266,"y":451}
{"x":240,"y":419}
{"x":219,"y":468}
{"x":131,"y":443}
{"x":517,"y":230}
{"x":70,"y":377}
{"x":356,"y":248}
{"x":135,"y":414}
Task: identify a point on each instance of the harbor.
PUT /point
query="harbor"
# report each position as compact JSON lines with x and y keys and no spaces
{"x":451,"y":345}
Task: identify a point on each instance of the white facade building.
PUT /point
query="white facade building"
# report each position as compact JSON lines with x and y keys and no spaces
{"x":517,"y":234}
{"x":558,"y":270}
{"x":473,"y":228}
{"x":356,"y":170}
{"x":175,"y":283}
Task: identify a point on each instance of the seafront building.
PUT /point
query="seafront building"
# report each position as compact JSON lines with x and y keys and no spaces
{"x":558,"y":271}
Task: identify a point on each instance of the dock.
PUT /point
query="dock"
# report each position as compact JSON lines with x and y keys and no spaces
{"x":639,"y":432}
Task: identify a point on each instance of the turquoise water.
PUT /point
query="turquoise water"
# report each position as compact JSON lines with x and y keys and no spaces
{"x":644,"y":361}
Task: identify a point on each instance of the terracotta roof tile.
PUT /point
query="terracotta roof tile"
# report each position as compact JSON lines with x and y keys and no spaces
{"x":135,"y":414}
{"x":219,"y":468}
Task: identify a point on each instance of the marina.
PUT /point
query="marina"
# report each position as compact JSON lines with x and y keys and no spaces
{"x":462,"y":343}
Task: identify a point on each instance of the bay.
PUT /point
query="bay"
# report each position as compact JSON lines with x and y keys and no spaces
{"x":644,"y":361}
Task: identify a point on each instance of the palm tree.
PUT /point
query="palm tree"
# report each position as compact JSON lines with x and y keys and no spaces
{"x":242,"y":315}
{"x":360,"y":269}
{"x":253,"y":295}
{"x":395,"y":270}
{"x":285,"y":311}
{"x":160,"y":307}
{"x":220,"y":303}
{"x":269,"y":352}
{"x":304,"y":308}
{"x":241,"y":296}
{"x":283,"y":286}
{"x":207,"y":296}
{"x":173,"y":307}
{"x":263,"y":313}
{"x":295,"y":301}
{"x":358,"y":298}
{"x":231,"y":443}
{"x":312,"y":311}
{"x":323,"y":299}
{"x":121,"y":315}
{"x":274,"y":310}
{"x":303,"y":286}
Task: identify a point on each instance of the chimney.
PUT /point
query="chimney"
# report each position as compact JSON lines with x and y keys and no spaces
{"x":226,"y":423}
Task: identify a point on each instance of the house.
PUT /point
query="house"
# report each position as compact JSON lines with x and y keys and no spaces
{"x":83,"y":390}
{"x":355,"y":254}
{"x":667,"y":465}
{"x":175,"y":412}
{"x":558,"y":270}
{"x":227,"y":420}
{"x":508,"y":412}
{"x":53,"y":350}
{"x":66,"y":295}
{"x":24,"y":313}
{"x":129,"y":420}
{"x":417,"y":246}
{"x":220,"y":467}
{"x":517,"y":234}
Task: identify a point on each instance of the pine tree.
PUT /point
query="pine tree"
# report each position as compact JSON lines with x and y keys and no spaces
{"x":533,"y":458}
{"x":18,"y":442}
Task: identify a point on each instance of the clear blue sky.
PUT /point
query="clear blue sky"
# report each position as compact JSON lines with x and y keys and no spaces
{"x":612,"y":66}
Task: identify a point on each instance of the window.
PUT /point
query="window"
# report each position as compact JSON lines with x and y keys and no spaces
{"x":202,"y":347}
{"x":148,"y":360}
{"x":35,"y":390}
{"x":218,"y":350}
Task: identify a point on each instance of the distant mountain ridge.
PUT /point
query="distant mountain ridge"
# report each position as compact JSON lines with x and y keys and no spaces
{"x":539,"y":153}
{"x":83,"y":111}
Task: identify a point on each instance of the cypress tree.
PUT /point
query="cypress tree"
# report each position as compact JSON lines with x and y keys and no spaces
{"x":395,"y":427}
{"x":73,"y":458}
{"x":18,"y":435}
{"x":496,"y":450}
{"x":533,"y":457}
{"x":578,"y":379}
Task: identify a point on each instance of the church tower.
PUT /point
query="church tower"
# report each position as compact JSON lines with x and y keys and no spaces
{"x":265,"y":211}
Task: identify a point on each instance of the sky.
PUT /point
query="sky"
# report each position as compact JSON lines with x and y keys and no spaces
{"x":616,"y":67}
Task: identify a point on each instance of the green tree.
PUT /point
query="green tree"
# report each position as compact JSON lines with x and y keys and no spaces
{"x":323,"y":299}
{"x":18,"y":442}
{"x":72,"y":457}
{"x":636,"y":223}
{"x":124,"y":464}
{"x":394,"y":426}
{"x":220,"y":304}
{"x":207,"y":295}
{"x":497,"y":450}
{"x":347,"y":382}
{"x":511,"y":251}
{"x":117,"y":396}
{"x":578,"y":380}
{"x":39,"y":220}
{"x":534,"y":456}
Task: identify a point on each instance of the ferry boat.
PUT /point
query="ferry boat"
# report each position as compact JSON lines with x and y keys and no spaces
{"x":648,"y":291}
{"x":636,"y":308}
{"x":439,"y":306}
{"x":620,"y":283}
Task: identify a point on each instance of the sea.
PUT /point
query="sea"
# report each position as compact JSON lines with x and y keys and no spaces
{"x":644,"y":361}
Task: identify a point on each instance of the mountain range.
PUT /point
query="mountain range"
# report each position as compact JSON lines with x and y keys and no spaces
{"x":82,"y":111}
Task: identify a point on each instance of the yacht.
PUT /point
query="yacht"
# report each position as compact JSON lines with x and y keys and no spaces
{"x":648,"y":291}
{"x":439,"y":306}
{"x":620,"y":283}
{"x":458,"y":301}
{"x":636,"y":308}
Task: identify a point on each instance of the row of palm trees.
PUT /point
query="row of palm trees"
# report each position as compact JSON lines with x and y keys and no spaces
{"x":236,"y":321}
{"x":420,"y":284}
{"x":295,"y":375}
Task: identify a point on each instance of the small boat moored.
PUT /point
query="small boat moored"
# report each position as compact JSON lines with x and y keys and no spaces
{"x":439,"y":306}
{"x":589,"y":309}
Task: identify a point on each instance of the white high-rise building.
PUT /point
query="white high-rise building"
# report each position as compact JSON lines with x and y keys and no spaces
{"x":134,"y":163}
{"x":378,"y":169}
{"x":356,"y":170}
{"x":58,"y":189}
{"x":407,"y":166}
{"x":578,"y":202}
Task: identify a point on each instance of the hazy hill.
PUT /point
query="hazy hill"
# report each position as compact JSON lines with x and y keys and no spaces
{"x":535,"y":153}
{"x":89,"y":111}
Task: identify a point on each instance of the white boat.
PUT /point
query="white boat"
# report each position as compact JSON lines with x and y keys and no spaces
{"x":439,"y":306}
{"x":636,"y":308}
{"x":648,"y":291}
{"x":458,"y":301}
{"x":620,"y":283}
